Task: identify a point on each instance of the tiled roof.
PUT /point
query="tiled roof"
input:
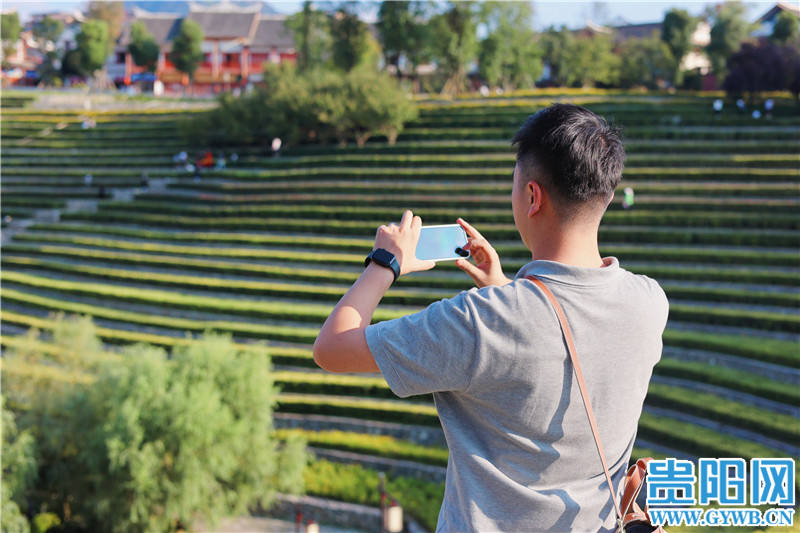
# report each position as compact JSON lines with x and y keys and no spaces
{"x":163,"y":26}
{"x":271,"y":32}
{"x":224,"y":25}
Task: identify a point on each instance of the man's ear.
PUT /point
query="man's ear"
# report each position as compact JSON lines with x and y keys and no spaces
{"x":534,"y":192}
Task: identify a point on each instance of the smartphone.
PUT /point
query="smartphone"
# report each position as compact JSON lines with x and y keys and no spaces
{"x":441,"y":242}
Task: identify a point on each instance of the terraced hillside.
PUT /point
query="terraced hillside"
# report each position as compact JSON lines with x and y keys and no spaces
{"x":265,"y":248}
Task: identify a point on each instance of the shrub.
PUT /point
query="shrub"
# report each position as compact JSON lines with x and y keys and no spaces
{"x":313,"y":106}
{"x":139,"y":442}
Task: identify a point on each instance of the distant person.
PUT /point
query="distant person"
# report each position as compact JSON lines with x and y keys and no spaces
{"x":220,"y":161}
{"x":206,"y":160}
{"x":522,"y":457}
{"x":276,"y":146}
{"x":768,"y":105}
{"x":87,"y":180}
{"x":627,"y":201}
{"x":485,"y":90}
{"x":717,"y":107}
{"x":181,"y":158}
{"x":101,"y":192}
{"x":145,"y":181}
{"x":756,"y":114}
{"x":740,"y":105}
{"x":234,"y":158}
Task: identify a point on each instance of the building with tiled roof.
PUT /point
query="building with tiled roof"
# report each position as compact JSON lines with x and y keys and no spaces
{"x":238,"y":39}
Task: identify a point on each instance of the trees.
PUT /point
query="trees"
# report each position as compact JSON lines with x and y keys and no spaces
{"x":404,"y":32}
{"x":591,"y":60}
{"x":143,"y":47}
{"x":729,"y":29}
{"x":48,"y":29}
{"x":555,"y":45}
{"x":19,"y":472}
{"x":509,"y":56}
{"x":187,"y":52}
{"x":454,"y":43}
{"x":644,"y":62}
{"x":112,"y":13}
{"x":138,"y":442}
{"x":92,"y":44}
{"x":757,"y":68}
{"x":9,"y":32}
{"x":310,"y":106}
{"x":786,"y":28}
{"x":311,"y":31}
{"x":350,"y":36}
{"x":676,"y":31}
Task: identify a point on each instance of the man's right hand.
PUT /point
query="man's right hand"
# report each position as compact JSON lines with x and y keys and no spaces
{"x":487,"y":269}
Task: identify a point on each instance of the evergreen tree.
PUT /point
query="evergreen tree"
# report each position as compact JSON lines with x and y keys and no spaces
{"x":187,"y":52}
{"x":676,"y":31}
{"x":509,"y":56}
{"x":92,"y":44}
{"x":143,"y":47}
{"x":728,"y":31}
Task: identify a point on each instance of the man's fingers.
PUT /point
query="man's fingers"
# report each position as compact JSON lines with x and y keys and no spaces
{"x":474,"y":272}
{"x":472,"y":232}
{"x":405,"y":221}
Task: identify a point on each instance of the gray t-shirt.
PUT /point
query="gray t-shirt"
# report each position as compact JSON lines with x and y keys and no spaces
{"x":522,"y":457}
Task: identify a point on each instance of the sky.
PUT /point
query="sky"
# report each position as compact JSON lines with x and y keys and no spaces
{"x":573,"y":14}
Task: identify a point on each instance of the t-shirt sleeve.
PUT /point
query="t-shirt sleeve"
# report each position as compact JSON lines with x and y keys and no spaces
{"x":431,"y":350}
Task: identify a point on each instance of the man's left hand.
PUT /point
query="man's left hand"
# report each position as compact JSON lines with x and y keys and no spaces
{"x":401,"y":240}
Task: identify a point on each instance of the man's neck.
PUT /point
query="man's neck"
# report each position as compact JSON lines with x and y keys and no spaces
{"x":576,"y":249}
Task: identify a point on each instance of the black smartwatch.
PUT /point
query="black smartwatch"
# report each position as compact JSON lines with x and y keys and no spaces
{"x":384,"y":258}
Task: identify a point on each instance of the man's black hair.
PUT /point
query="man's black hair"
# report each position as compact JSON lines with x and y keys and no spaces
{"x":574,"y":154}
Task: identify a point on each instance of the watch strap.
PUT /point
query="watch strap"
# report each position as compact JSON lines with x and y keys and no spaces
{"x":392,"y":264}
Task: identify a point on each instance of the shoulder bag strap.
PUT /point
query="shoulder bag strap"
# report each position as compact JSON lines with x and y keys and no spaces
{"x":581,"y":385}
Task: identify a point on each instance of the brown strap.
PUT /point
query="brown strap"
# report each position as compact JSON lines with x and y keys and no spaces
{"x":573,"y":354}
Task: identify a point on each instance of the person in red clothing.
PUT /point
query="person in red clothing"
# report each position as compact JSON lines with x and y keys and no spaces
{"x":207,"y":160}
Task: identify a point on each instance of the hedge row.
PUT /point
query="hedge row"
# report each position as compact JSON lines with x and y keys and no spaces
{"x":511,"y":255}
{"x":642,"y":216}
{"x":503,"y":160}
{"x":651,"y":235}
{"x":699,"y":441}
{"x":728,"y":378}
{"x":45,"y":143}
{"x":319,"y":292}
{"x":240,"y":329}
{"x":708,"y":406}
{"x":682,"y":436}
{"x":504,"y":146}
{"x":376,"y":445}
{"x":695,"y":174}
{"x":683,"y":133}
{"x":239,"y":192}
{"x":316,"y":314}
{"x":774,"y":351}
{"x":278,"y":354}
{"x":356,"y":484}
{"x":464,"y":202}
{"x":711,"y":407}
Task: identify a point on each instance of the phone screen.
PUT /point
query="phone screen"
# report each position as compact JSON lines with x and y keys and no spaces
{"x":441,"y":242}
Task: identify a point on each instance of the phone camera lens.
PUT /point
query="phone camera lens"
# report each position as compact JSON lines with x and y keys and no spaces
{"x":462,"y":252}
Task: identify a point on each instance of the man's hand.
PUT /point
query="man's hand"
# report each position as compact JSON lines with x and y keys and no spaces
{"x":401,"y":240}
{"x":487,"y":269}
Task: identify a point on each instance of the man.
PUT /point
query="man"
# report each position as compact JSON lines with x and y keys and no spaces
{"x":522,"y":456}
